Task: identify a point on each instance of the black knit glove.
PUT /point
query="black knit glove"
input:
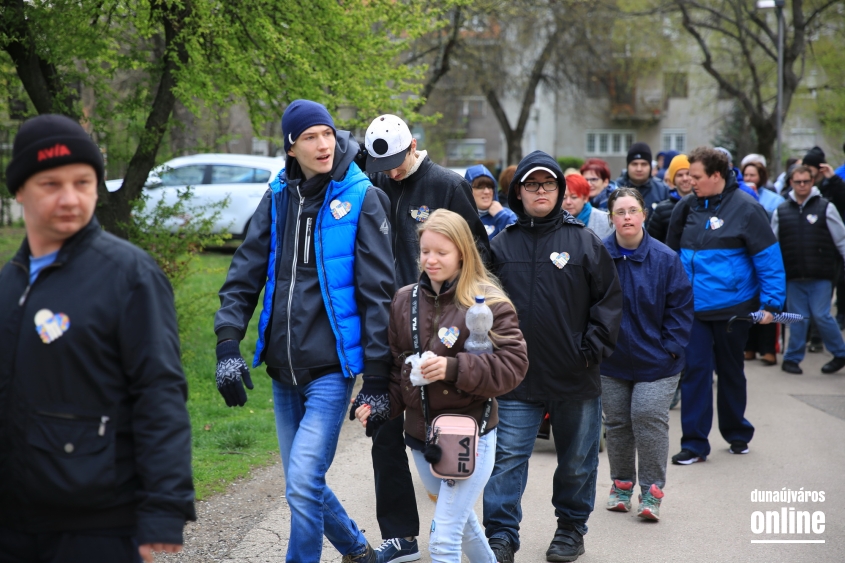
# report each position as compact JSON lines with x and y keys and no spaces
{"x":231,"y":368}
{"x":373,"y":393}
{"x":361,"y":158}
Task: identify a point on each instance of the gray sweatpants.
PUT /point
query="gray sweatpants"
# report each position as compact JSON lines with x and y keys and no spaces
{"x":637,"y":423}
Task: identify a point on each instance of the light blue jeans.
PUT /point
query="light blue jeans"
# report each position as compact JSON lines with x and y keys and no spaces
{"x":308,"y":420}
{"x":811,"y":299}
{"x":455,"y":527}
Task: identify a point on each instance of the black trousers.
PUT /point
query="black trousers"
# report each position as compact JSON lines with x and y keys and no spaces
{"x":396,"y":502}
{"x":67,"y":547}
{"x":762,"y":339}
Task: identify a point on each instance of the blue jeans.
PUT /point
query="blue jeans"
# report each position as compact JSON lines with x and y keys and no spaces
{"x":576,"y":426}
{"x":308,"y":420}
{"x":455,"y":527}
{"x":811,"y":299}
{"x":711,"y":345}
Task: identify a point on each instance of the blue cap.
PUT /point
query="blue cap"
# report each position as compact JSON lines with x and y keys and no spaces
{"x":479,"y":299}
{"x":299,"y":116}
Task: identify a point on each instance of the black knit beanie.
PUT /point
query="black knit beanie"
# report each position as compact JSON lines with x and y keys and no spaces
{"x":814,"y":157}
{"x":49,"y":141}
{"x":639,"y":151}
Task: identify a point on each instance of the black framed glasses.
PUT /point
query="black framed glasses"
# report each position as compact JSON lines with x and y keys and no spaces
{"x":549,"y":186}
{"x":801,"y":182}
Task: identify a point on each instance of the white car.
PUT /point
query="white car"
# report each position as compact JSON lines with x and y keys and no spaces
{"x":213,"y":177}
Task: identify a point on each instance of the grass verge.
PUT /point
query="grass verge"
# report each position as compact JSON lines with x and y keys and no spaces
{"x":227,"y":442}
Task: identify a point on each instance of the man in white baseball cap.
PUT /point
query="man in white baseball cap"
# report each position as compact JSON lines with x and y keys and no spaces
{"x":416,"y":187}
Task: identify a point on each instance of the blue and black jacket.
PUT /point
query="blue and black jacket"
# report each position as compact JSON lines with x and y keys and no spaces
{"x":494,"y":224}
{"x":729,"y":252}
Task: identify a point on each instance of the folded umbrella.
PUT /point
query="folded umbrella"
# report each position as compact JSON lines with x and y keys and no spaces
{"x":757,"y":316}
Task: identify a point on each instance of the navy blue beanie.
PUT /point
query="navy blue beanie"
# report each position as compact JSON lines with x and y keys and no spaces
{"x":299,"y":116}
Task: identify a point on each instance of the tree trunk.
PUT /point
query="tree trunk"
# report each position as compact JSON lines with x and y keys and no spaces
{"x":50,"y":94}
{"x":114,"y":208}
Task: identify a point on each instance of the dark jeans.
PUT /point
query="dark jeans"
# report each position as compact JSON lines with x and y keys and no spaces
{"x":67,"y":547}
{"x":396,"y":503}
{"x":576,"y":427}
{"x":711,"y":346}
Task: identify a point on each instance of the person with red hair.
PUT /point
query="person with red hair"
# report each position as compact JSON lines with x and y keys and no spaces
{"x":576,"y":201}
{"x":597,"y":174}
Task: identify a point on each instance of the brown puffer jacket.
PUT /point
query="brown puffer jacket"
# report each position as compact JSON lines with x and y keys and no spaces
{"x":470,"y":379}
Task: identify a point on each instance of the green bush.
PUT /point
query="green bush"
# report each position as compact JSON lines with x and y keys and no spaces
{"x":570,"y":162}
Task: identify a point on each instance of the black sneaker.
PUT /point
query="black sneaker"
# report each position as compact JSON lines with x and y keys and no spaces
{"x":567,"y":545}
{"x":739,"y":447}
{"x":501,"y":549}
{"x":686,"y":457}
{"x":398,"y":550}
{"x":791,"y":367}
{"x":833,"y":365}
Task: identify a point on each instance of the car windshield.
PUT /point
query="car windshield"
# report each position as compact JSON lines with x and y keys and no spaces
{"x":238,"y":175}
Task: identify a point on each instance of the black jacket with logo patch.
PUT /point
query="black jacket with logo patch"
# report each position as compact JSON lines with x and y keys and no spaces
{"x":569,"y":316}
{"x":94,"y":433}
{"x":434,"y":187}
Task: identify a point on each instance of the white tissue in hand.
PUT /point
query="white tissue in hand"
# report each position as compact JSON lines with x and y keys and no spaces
{"x":416,"y":361}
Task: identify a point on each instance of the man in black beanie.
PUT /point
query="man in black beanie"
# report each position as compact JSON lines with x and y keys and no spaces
{"x":638,"y":175}
{"x":94,"y":433}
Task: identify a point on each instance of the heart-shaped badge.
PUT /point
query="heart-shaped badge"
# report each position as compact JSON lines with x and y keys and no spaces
{"x":50,"y":327}
{"x":560,"y":259}
{"x":716,"y":223}
{"x":420,"y":213}
{"x":490,"y":229}
{"x":340,"y":208}
{"x":812,"y":219}
{"x":448,"y":336}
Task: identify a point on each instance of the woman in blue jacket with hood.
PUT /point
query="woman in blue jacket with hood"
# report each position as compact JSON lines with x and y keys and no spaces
{"x":638,"y":381}
{"x":492,"y":213}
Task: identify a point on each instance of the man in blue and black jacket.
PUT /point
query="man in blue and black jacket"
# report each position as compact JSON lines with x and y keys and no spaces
{"x":319,"y":246}
{"x":734,"y":263}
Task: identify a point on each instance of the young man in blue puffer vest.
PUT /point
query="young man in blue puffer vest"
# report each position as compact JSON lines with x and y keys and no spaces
{"x":319,"y":245}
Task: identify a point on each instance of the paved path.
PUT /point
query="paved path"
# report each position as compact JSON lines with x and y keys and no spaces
{"x":707,"y":511}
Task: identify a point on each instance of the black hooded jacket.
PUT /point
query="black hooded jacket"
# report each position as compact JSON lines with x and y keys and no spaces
{"x":570,"y":315}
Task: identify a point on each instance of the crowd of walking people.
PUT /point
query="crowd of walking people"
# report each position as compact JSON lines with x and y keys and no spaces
{"x":606,"y":300}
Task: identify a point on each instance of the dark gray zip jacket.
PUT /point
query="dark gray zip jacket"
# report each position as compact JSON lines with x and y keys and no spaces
{"x":94,"y":433}
{"x":300,"y":344}
{"x":432,"y":187}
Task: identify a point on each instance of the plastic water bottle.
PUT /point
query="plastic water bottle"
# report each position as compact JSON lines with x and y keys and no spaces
{"x":479,"y":320}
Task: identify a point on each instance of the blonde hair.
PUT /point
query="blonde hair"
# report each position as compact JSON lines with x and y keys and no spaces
{"x":474,"y":278}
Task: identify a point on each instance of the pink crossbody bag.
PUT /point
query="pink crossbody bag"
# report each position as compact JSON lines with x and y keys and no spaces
{"x":451,"y":439}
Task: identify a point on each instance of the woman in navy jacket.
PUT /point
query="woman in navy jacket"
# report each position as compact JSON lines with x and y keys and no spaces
{"x":639,"y":379}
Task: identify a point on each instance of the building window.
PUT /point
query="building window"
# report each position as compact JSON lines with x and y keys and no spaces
{"x":609,"y":142}
{"x":466,"y":150}
{"x":674,"y":140}
{"x":473,"y":107}
{"x":675,"y":84}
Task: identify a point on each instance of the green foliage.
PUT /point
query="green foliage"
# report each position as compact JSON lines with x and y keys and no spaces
{"x":829,"y":57}
{"x":227,"y":442}
{"x":570,"y":162}
{"x":174,"y":234}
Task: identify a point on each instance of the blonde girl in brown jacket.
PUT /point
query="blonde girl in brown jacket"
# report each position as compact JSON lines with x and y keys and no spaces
{"x":459,"y":382}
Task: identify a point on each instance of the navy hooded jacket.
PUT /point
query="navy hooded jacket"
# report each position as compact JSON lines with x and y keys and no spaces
{"x":494,"y":224}
{"x":657,"y":312}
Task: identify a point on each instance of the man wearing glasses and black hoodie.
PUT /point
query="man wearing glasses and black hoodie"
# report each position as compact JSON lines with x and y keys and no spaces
{"x":564,"y":284}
